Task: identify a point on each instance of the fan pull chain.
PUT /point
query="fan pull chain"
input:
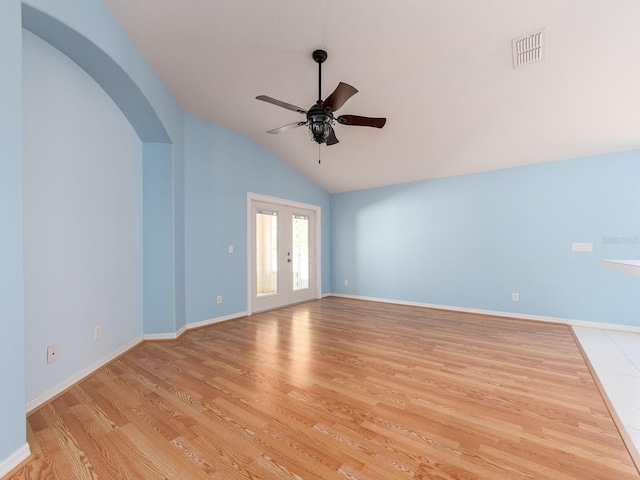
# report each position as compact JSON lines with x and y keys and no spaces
{"x":319,"y":154}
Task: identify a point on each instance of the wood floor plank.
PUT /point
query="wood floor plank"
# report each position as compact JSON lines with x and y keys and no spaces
{"x":338,"y":388}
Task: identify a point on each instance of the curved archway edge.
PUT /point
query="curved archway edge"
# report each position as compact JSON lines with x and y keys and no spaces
{"x":108,"y":73}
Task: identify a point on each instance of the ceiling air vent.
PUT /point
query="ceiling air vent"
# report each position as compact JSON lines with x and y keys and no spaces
{"x":529,"y":49}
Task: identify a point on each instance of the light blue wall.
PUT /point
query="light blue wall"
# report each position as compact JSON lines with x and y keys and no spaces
{"x":12,"y":357}
{"x":221,"y":167}
{"x":82,"y":164}
{"x":471,"y":241}
{"x":87,"y":152}
{"x":179,"y":249}
{"x":159,"y":273}
{"x":88,"y":34}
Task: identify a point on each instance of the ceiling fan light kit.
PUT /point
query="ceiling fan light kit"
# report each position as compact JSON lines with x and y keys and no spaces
{"x":320,"y":118}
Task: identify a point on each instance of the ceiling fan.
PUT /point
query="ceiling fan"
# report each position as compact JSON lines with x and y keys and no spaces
{"x":320,"y":117}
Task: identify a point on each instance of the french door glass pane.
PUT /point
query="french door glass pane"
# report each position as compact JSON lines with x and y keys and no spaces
{"x":266,"y":252}
{"x":300,"y":251}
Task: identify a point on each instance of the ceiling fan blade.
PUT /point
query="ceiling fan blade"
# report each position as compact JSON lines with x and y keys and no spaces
{"x":361,"y":121}
{"x":287,"y":127}
{"x":341,"y":94}
{"x":279,"y":103}
{"x":332,"y":139}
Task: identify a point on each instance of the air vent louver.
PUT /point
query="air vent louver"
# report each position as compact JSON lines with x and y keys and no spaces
{"x":528,"y":49}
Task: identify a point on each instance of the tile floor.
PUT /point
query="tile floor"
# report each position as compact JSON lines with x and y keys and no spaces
{"x":615,"y":356}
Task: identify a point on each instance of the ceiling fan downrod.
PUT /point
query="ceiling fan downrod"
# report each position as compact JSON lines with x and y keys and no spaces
{"x":319,"y":56}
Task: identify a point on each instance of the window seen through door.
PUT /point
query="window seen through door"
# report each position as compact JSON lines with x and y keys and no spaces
{"x":300,"y":251}
{"x":267,"y":252}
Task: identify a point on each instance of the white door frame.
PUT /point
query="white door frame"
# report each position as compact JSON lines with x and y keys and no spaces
{"x":250,"y":253}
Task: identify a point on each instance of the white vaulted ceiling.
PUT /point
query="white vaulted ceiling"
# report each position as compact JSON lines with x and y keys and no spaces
{"x":441,"y":71}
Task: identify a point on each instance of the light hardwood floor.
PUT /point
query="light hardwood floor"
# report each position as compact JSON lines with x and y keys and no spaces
{"x":338,"y":388}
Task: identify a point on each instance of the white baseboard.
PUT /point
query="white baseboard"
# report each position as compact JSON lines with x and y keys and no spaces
{"x":211,"y":321}
{"x":85,"y":372}
{"x":191,"y":326}
{"x":163,"y":336}
{"x":13,"y":460}
{"x":518,"y":316}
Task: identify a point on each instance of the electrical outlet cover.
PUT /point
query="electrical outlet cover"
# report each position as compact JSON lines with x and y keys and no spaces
{"x":52,"y":353}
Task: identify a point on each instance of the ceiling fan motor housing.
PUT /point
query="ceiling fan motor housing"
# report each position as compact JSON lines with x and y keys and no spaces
{"x":320,"y":120}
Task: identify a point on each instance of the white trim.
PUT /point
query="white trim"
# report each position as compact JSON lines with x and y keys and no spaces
{"x":15,"y":459}
{"x":517,"y":316}
{"x":211,"y":321}
{"x":292,"y":203}
{"x":281,"y":201}
{"x":151,"y":337}
{"x":85,"y":372}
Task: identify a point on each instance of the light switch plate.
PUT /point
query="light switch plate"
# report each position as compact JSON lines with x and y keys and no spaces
{"x":582,"y":247}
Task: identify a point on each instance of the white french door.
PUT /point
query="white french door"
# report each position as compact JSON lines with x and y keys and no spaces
{"x":282,"y":255}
